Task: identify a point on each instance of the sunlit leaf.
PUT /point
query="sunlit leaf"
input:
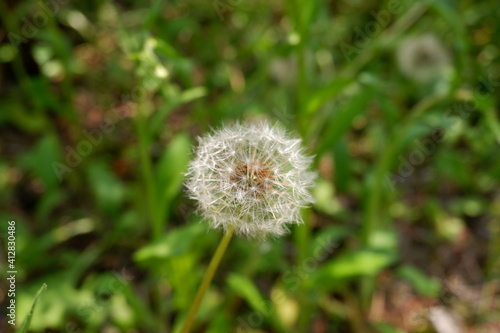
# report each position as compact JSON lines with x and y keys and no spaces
{"x":423,"y":284}
{"x":246,"y":289}
{"x":108,"y":190}
{"x":359,"y":263}
{"x":173,"y":243}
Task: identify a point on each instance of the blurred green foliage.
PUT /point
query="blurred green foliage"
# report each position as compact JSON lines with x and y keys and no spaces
{"x":101,"y":104}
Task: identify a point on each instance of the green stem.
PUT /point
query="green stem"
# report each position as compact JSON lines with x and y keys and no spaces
{"x":147,"y":170}
{"x":207,"y":278}
{"x":302,"y":233}
{"x":301,"y":66}
{"x":131,"y":47}
{"x":302,"y":240}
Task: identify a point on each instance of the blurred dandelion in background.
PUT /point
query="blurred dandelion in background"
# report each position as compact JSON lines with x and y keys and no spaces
{"x":424,"y":58}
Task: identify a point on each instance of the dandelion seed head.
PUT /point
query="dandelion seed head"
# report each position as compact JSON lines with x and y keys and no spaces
{"x":423,"y":58}
{"x":250,"y":176}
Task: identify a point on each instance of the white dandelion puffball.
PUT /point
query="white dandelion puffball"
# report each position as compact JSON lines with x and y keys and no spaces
{"x":423,"y":58}
{"x":252,"y":177}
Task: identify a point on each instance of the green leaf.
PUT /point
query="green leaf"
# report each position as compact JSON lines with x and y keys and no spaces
{"x":384,"y":239}
{"x":166,"y":50}
{"x":174,"y":243}
{"x":388,"y":108}
{"x":108,"y":190}
{"x":41,"y":92}
{"x":48,"y":202}
{"x":173,"y":98}
{"x":26,"y":324}
{"x":245,"y":288}
{"x":39,"y":159}
{"x":386,"y":328}
{"x":306,"y":11}
{"x":366,"y":262}
{"x":324,"y":197}
{"x":189,"y":95}
{"x":452,"y":165}
{"x":326,"y":240}
{"x":171,"y":168}
{"x":221,"y":323}
{"x":154,"y":13}
{"x":423,"y":284}
{"x":323,"y":95}
{"x":12,"y":111}
{"x":342,"y":170}
{"x":182,"y":276}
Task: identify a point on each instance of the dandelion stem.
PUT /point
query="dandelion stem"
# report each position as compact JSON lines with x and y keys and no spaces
{"x":207,"y":278}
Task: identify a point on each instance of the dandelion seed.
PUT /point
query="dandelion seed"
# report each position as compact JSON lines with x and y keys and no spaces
{"x":251,"y":177}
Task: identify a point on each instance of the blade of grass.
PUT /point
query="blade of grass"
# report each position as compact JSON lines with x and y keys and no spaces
{"x":26,"y":324}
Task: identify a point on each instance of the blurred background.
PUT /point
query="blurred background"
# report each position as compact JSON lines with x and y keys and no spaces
{"x":101,"y":103}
